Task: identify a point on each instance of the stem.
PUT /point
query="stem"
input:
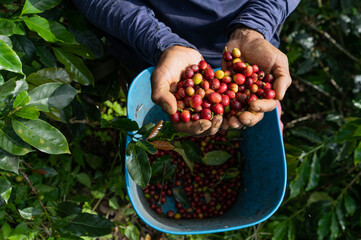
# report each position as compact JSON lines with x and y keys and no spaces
{"x":348,"y":186}
{"x":333,"y":41}
{"x":97,"y":203}
{"x":83,"y":121}
{"x":35,"y":192}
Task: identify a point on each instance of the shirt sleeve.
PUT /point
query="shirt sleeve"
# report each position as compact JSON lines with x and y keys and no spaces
{"x":264,"y":16}
{"x":133,"y":23}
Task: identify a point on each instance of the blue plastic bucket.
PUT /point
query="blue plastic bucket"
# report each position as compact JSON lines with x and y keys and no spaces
{"x":264,"y":176}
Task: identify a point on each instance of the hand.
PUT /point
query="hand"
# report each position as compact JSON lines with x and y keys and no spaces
{"x":257,"y":50}
{"x":165,"y":77}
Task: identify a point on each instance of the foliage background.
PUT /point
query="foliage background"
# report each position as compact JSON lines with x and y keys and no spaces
{"x":321,"y":113}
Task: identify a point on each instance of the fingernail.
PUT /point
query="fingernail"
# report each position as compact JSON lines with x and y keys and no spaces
{"x":256,"y":108}
{"x":247,"y":122}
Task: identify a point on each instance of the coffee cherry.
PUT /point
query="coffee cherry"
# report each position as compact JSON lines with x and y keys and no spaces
{"x":248,"y":71}
{"x":196,"y":116}
{"x":239,"y":67}
{"x":219,"y":74}
{"x":227,"y":56}
{"x":252,"y":98}
{"x":185,"y":116}
{"x":175,"y":117}
{"x":215,"y":84}
{"x":236,"y":105}
{"x":195,"y":68}
{"x":215,"y":97}
{"x":202,"y":65}
{"x":197,"y":78}
{"x":205,"y":85}
{"x":233,"y":87}
{"x":201,"y":92}
{"x":255,"y":68}
{"x":188,"y":73}
{"x":268,"y":78}
{"x":231,"y":94}
{"x":236,"y":53}
{"x":182,"y":93}
{"x":209,"y":73}
{"x":239,"y":78}
{"x":218,"y":108}
{"x":190,"y":91}
{"x":269,"y":94}
{"x":222,"y":88}
{"x":180,"y":105}
{"x":206,"y":114}
{"x":188,"y":83}
{"x":267,"y":86}
{"x":195,"y":101}
{"x":227,"y":79}
{"x":206,"y":104}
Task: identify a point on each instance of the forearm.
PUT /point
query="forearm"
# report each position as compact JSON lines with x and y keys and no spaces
{"x":134,"y":24}
{"x":264,"y":16}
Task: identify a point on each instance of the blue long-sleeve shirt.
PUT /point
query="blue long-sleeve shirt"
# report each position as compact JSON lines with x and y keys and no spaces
{"x":141,"y":30}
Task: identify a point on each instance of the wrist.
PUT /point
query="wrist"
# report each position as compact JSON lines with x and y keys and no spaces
{"x":245,"y":34}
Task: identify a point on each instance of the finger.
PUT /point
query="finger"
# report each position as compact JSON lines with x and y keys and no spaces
{"x":194,"y":128}
{"x":250,"y":119}
{"x":224,"y":125}
{"x":161,"y":94}
{"x":216,"y":124}
{"x":282,"y":76}
{"x":263,"y":105}
{"x":233,"y":122}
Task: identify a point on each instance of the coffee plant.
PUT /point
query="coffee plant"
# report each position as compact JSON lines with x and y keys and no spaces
{"x":63,"y":128}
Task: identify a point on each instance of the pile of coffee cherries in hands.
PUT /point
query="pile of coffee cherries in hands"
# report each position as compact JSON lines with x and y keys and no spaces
{"x":202,"y":92}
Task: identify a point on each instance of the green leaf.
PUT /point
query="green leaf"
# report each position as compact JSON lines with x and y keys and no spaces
{"x":124,"y":124}
{"x":280,"y":231}
{"x":80,"y":50}
{"x":318,"y":196}
{"x":302,"y":174}
{"x":21,"y":99}
{"x":6,"y":230}
{"x":85,"y":224}
{"x":22,"y":44}
{"x":323,"y":226}
{"x":179,"y":149}
{"x":6,"y":40}
{"x":216,"y":157}
{"x":9,"y":163}
{"x":145,"y":145}
{"x":132,"y":232}
{"x":46,"y":57}
{"x":84,"y":179}
{"x":347,"y":130}
{"x":28,"y":112}
{"x":61,"y":97}
{"x":230,"y":173}
{"x":12,"y":145}
{"x":307,"y":133}
{"x":50,"y":31}
{"x":180,"y":196}
{"x":158,"y":164}
{"x":291,"y":233}
{"x":113,"y":203}
{"x":9,"y":60}
{"x":49,"y":75}
{"x":39,"y":96}
{"x":21,"y":85}
{"x":65,"y":209}
{"x":357,"y":154}
{"x":138,"y":165}
{"x":314,"y":173}
{"x":5,"y":189}
{"x":30,"y":213}
{"x":38,"y":6}
{"x":350,"y":204}
{"x":192,"y":151}
{"x":334,"y":226}
{"x":41,"y":135}
{"x":340,"y":215}
{"x":7,"y":27}
{"x":75,"y":66}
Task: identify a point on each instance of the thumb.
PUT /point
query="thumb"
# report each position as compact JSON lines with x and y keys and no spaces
{"x":162,"y":96}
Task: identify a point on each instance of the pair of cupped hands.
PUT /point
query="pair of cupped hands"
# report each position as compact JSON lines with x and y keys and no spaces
{"x":255,"y":50}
